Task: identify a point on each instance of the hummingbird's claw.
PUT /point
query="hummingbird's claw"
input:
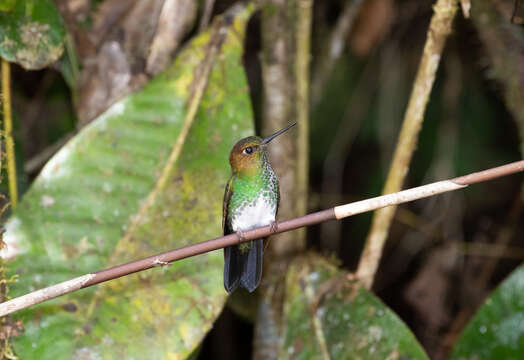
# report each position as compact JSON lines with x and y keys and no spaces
{"x":273,"y":226}
{"x":241,"y":237}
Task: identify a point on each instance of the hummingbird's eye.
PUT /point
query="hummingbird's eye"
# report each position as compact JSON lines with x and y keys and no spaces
{"x":248,"y":150}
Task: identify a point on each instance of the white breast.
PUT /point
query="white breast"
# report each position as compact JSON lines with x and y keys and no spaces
{"x":258,"y":213}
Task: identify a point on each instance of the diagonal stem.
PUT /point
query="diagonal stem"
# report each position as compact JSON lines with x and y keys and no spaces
{"x":439,"y":29}
{"x":336,"y":213}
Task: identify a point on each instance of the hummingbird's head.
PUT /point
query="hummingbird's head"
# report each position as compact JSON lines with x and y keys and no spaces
{"x":249,"y":154}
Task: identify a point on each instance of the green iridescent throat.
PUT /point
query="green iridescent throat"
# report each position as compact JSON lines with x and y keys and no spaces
{"x":247,"y":189}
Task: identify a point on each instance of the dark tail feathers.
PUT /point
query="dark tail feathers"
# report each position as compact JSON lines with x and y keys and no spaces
{"x":244,"y":269}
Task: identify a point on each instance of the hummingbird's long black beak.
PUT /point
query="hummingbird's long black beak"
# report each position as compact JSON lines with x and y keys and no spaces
{"x":271,"y":137}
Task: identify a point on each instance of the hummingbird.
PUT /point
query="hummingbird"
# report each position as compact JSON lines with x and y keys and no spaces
{"x":251,"y":200}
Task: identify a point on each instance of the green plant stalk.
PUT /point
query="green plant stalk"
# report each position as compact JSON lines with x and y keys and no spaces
{"x":8,"y":128}
{"x":6,"y":352}
{"x":5,"y":100}
{"x":303,"y":26}
{"x":439,"y":29}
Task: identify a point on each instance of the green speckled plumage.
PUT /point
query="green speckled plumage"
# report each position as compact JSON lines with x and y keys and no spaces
{"x":244,"y":192}
{"x":251,"y":200}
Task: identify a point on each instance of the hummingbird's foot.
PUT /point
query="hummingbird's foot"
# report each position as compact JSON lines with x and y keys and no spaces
{"x":273,"y":226}
{"x":241,"y":237}
{"x":158,"y":262}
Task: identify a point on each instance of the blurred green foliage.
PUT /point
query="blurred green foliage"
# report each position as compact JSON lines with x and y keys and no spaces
{"x":497,"y":329}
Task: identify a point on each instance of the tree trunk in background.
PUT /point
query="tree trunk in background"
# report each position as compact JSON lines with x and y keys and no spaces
{"x":279,"y":99}
{"x":285,"y":74}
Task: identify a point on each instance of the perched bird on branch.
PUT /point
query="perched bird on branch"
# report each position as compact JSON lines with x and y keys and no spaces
{"x":251,"y":199}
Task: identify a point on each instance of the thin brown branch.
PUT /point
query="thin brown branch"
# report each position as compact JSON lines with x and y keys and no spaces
{"x":35,"y":163}
{"x":174,"y":22}
{"x":338,"y":212}
{"x":439,"y":29}
{"x":206,"y":14}
{"x":495,"y":252}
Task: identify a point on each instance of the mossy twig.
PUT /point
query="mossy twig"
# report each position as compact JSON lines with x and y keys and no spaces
{"x":8,"y":128}
{"x":439,"y":29}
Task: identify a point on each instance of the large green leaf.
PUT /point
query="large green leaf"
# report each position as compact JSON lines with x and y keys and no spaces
{"x":129,"y":185}
{"x":327,"y":317}
{"x":497,"y":330}
{"x":31,"y":33}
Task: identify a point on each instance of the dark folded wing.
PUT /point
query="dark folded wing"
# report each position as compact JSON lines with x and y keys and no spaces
{"x":233,"y":264}
{"x":227,"y":198}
